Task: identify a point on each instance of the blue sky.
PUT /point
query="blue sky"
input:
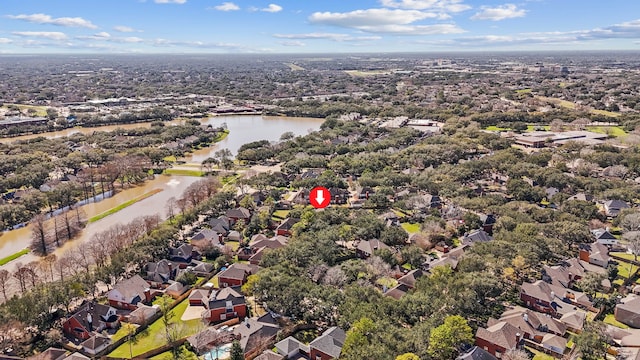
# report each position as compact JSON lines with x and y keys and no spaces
{"x":308,"y":26}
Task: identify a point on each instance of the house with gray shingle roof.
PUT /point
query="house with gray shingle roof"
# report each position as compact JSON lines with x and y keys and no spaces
{"x":328,"y":345}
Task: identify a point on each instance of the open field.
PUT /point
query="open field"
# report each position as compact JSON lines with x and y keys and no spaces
{"x":616,"y":131}
{"x":411,"y":228}
{"x":361,"y":73}
{"x":124,"y":205}
{"x":184,"y":172}
{"x":39,"y":110}
{"x":572,"y":106}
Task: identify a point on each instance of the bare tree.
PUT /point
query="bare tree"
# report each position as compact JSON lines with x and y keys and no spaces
{"x":171,"y":207}
{"x":633,"y":237}
{"x":39,"y":234}
{"x":4,"y":281}
{"x":631,"y":222}
{"x":21,"y":276}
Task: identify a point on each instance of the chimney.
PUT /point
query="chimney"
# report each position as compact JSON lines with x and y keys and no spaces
{"x":518,"y":338}
{"x":89,"y":321}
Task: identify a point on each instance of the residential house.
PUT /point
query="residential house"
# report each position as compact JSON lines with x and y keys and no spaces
{"x":236,"y":274}
{"x":202,"y":268}
{"x":198,"y":297}
{"x":367,"y":248}
{"x":595,"y":253}
{"x":225,"y":304}
{"x":127,"y":294}
{"x":603,"y":236}
{"x":206,"y":238}
{"x":533,"y":325}
{"x":292,"y":348}
{"x":90,"y":318}
{"x":76,"y":356}
{"x":476,"y":236}
{"x":284,"y":229}
{"x":476,"y":353}
{"x":448,"y":259}
{"x":328,"y":345}
{"x":221,"y":225}
{"x":176,"y":289}
{"x":142,"y":314}
{"x":239,"y":213}
{"x":364,"y":192}
{"x":498,"y":338}
{"x":552,"y":299}
{"x":488,"y":221}
{"x":158,"y":273}
{"x":339,"y":196}
{"x":234,"y":235}
{"x":256,"y":333}
{"x":581,"y":197}
{"x":628,"y":311}
{"x":95,"y":344}
{"x":613,"y":207}
{"x":181,"y":254}
{"x":574,"y":320}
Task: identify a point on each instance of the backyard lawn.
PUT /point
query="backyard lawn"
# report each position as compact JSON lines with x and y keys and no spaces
{"x":411,"y":228}
{"x":155,"y":336}
{"x":611,"y":320}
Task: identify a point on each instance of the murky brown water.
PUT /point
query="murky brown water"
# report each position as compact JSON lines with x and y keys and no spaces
{"x":243,"y":129}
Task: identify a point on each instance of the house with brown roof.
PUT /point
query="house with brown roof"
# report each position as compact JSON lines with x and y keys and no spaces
{"x":367,"y":248}
{"x":158,"y":273}
{"x":95,"y":344}
{"x":239,"y":213}
{"x":595,"y":253}
{"x":284,"y":228}
{"x":498,"y":338}
{"x":127,"y":294}
{"x":49,"y":354}
{"x":628,"y":311}
{"x":206,"y":238}
{"x":236,"y":274}
{"x":476,"y":353}
{"x":552,"y":299}
{"x":256,"y":333}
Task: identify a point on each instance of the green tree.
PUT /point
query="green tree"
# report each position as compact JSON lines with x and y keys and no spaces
{"x":592,"y":342}
{"x":408,"y":356}
{"x":445,"y":339}
{"x":236,"y":351}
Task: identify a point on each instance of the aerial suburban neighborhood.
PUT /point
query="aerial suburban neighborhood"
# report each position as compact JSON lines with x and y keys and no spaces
{"x":352,"y":205}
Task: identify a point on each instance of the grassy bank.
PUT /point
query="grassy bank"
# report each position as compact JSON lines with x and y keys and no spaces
{"x":184,"y":172}
{"x":124,"y":205}
{"x":12,"y":257}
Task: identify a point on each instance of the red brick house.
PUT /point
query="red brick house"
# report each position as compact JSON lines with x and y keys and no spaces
{"x":498,"y":338}
{"x":225,"y":304}
{"x":89,"y":319}
{"x":198,"y":297}
{"x":236,"y":274}
{"x":128,"y":293}
{"x":285,"y":226}
{"x":328,"y":345}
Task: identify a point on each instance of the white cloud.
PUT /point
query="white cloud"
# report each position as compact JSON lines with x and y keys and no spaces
{"x":170,"y":1}
{"x":272,"y":8}
{"x":5,"y":41}
{"x":293,"y":43}
{"x":370,"y":17}
{"x":453,"y":6}
{"x":130,"y":39}
{"x":51,"y":35}
{"x":125,"y":29}
{"x":47,"y":19}
{"x":391,"y":21}
{"x":327,"y":36}
{"x":506,"y":11}
{"x":227,"y":6}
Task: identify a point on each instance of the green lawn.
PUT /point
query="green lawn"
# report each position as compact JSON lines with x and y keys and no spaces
{"x":12,"y":257}
{"x":495,"y":128}
{"x":625,"y":269}
{"x":539,"y":355}
{"x":124,"y":205}
{"x":411,"y":228}
{"x":235,"y":245}
{"x":523,"y":91}
{"x":170,"y":158}
{"x":624,"y":255}
{"x":616,"y":131}
{"x":611,"y":320}
{"x":387,"y":281}
{"x":281,"y":214}
{"x":39,"y":110}
{"x":155,"y":336}
{"x":184,"y":172}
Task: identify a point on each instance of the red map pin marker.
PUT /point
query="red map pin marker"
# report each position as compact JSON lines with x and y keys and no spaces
{"x":319,"y":197}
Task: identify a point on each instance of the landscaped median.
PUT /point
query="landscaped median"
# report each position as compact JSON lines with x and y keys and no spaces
{"x":12,"y":257}
{"x":124,"y":205}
